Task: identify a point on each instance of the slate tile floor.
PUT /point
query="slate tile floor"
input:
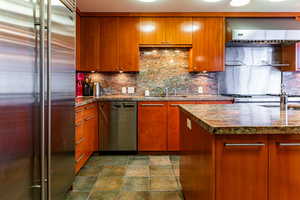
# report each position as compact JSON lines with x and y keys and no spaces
{"x":128,"y":178}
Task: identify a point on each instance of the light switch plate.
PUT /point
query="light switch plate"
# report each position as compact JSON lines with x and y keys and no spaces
{"x":200,"y":90}
{"x":189,"y":123}
{"x":124,"y":90}
{"x":130,"y":90}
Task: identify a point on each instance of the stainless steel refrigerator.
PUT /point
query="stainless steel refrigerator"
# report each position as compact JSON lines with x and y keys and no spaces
{"x":37,"y":92}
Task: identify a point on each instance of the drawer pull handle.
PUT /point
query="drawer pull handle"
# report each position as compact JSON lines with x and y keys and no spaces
{"x":289,"y":144}
{"x":247,"y":145}
{"x":80,"y":141}
{"x":175,"y":105}
{"x":80,"y":158}
{"x":89,"y":118}
{"x":152,"y":105}
{"x":80,"y":110}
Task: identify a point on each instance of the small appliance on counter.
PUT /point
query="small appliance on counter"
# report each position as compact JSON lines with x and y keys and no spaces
{"x":98,"y":90}
{"x":79,"y":84}
{"x":88,"y":86}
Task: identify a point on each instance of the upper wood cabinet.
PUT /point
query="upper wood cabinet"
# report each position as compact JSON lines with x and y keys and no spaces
{"x":89,"y":44}
{"x":208,"y":49}
{"x":77,"y":41}
{"x":291,"y":56}
{"x":109,"y":44}
{"x":165,"y":30}
{"x":128,"y":36}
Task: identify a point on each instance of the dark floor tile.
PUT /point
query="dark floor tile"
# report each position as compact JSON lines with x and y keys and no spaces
{"x":108,"y":184}
{"x":84,"y":183}
{"x":101,"y":195}
{"x":161,"y":170}
{"x":90,"y":171}
{"x":125,"y":195}
{"x":113,"y":171}
{"x":165,"y":196}
{"x":78,"y":196}
{"x":163,"y":184}
{"x":136,"y":184}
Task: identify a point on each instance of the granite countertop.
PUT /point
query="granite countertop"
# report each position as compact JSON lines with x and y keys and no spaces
{"x":245,"y":118}
{"x":80,"y":101}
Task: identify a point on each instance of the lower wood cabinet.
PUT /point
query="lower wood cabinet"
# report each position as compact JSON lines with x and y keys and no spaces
{"x":86,"y":133}
{"x":158,"y":124}
{"x":284,"y":168}
{"x":235,"y":167}
{"x":152,"y":126}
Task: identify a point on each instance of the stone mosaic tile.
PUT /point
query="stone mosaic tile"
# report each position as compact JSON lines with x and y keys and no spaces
{"x":129,"y":195}
{"x":109,"y":171}
{"x":138,"y":160}
{"x":104,"y":195}
{"x":78,"y":196}
{"x":108,"y":184}
{"x":136,"y":184}
{"x":165,"y":196}
{"x":160,"y":160}
{"x":138,"y":171}
{"x":161,"y":170}
{"x":84,"y":183}
{"x":90,"y":171}
{"x":163,"y":184}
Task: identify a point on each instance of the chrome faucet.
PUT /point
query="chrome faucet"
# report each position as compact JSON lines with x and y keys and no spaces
{"x":283,"y":96}
{"x":175,"y":91}
{"x":166,"y":91}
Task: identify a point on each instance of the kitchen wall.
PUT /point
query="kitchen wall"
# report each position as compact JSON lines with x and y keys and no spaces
{"x":163,"y":67}
{"x":168,"y":67}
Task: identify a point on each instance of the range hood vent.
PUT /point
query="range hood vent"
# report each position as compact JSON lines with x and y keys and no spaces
{"x":264,"y":31}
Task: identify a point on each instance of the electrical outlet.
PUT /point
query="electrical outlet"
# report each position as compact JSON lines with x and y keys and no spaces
{"x":200,"y":90}
{"x":130,"y":90}
{"x":189,"y":123}
{"x":124,"y":90}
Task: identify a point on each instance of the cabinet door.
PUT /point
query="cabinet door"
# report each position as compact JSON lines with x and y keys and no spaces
{"x":291,"y":56}
{"x":241,"y":168}
{"x":152,"y":126}
{"x":284,"y":168}
{"x":77,"y":41}
{"x":208,"y":45}
{"x":89,"y":43}
{"x":152,"y":30}
{"x":109,"y":45}
{"x":128,"y":37}
{"x":178,"y":30}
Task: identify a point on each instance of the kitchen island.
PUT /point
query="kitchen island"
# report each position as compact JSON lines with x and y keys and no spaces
{"x":239,"y":151}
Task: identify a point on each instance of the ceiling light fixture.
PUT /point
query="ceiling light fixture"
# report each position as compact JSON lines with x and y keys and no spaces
{"x":238,"y":3}
{"x":276,"y":0}
{"x":211,"y":1}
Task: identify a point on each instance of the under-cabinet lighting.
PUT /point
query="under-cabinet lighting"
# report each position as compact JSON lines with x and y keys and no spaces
{"x":147,"y":1}
{"x":238,"y":3}
{"x":147,"y":28}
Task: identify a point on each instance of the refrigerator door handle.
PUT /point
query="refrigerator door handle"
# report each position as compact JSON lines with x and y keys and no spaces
{"x":42,"y":95}
{"x":49,"y":91}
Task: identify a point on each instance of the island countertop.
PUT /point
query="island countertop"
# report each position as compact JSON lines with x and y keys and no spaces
{"x":244,"y":119}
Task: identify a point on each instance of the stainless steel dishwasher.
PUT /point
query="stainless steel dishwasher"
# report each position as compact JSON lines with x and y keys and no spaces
{"x":121,"y":129}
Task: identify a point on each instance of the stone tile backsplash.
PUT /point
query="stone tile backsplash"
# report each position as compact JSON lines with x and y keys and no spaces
{"x":160,"y":68}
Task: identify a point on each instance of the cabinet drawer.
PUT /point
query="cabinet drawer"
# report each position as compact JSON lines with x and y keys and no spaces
{"x":81,"y":161}
{"x":81,"y":147}
{"x":85,"y":111}
{"x":79,"y":130}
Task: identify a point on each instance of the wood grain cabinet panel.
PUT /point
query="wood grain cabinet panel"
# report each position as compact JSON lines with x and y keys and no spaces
{"x":89,"y":44}
{"x":152,"y":126}
{"x":291,"y":56}
{"x":109,"y":44}
{"x":208,"y":49}
{"x":241,"y":168}
{"x":284,"y":168}
{"x":178,"y":30}
{"x":128,"y":37}
{"x":152,"y":30}
{"x":77,"y":41}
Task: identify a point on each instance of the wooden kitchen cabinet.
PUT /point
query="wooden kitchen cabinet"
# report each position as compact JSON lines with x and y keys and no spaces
{"x":89,"y":44}
{"x":77,"y":41}
{"x":86,"y":133}
{"x":128,"y":37}
{"x":173,"y":121}
{"x":152,"y":126}
{"x":207,"y":53}
{"x":291,"y":56}
{"x":284,"y":167}
{"x":165,"y":30}
{"x":241,"y":168}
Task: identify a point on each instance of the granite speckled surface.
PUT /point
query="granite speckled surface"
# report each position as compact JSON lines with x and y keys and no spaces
{"x":80,"y":101}
{"x":244,"y":119}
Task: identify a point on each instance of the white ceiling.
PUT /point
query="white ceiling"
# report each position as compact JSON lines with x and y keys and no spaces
{"x":185,"y":6}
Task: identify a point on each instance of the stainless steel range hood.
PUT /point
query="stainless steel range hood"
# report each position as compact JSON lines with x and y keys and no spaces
{"x":264,"y":30}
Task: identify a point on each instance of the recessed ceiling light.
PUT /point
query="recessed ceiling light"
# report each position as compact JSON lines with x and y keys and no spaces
{"x":238,"y":3}
{"x":211,"y":1}
{"x":147,"y":0}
